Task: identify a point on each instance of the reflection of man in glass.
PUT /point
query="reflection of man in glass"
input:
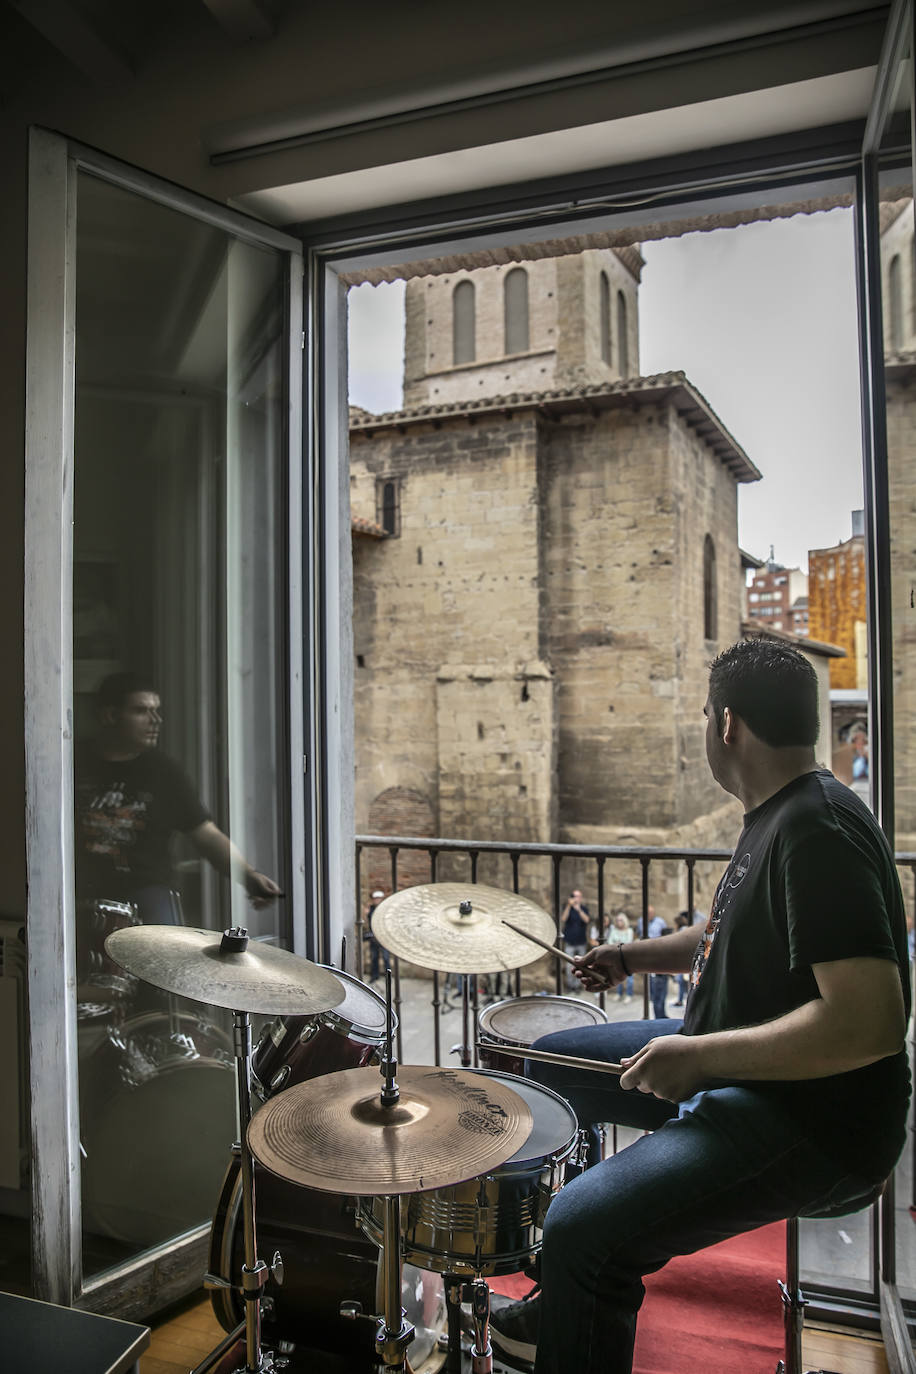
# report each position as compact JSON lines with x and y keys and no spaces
{"x":130,"y":801}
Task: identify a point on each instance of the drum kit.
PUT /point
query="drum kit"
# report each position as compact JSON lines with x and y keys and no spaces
{"x":388,"y":1194}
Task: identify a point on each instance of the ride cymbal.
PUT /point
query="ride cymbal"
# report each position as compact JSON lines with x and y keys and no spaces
{"x":333,"y":1133}
{"x":429,"y":926}
{"x":203,"y":965}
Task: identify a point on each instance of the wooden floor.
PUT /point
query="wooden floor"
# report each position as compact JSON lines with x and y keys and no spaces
{"x":186,"y":1334}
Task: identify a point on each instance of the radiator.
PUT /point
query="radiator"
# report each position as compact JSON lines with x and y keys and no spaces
{"x":14,"y":1123}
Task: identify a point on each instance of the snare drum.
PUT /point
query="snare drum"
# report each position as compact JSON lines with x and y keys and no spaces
{"x":293,"y":1049}
{"x":519,"y":1021}
{"x":492,"y":1224}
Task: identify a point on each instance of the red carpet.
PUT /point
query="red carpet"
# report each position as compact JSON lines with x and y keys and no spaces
{"x":716,"y":1312}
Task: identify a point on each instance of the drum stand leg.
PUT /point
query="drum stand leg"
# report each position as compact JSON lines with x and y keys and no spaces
{"x":255,"y":1272}
{"x":394,"y":1333}
{"x":453,"y":1288}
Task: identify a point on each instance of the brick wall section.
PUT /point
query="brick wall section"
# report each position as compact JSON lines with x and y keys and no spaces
{"x":836,"y":602}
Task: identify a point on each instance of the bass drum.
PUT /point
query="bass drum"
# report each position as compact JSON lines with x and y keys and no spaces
{"x":326,"y":1261}
{"x":157,"y":1107}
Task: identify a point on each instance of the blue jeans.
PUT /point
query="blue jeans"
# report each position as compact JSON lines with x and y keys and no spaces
{"x":628,"y":985}
{"x":726,"y":1161}
{"x":658,"y":991}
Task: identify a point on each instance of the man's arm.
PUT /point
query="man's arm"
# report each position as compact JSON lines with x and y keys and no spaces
{"x":665,"y":954}
{"x":218,"y":850}
{"x":858,"y":1019}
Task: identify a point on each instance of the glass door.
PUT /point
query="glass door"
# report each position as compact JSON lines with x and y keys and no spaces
{"x":178,"y":455}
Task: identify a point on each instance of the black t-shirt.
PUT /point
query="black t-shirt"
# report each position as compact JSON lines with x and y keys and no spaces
{"x":126,"y":814}
{"x":812,"y":880}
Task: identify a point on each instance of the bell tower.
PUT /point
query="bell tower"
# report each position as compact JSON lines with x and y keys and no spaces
{"x":552,"y":324}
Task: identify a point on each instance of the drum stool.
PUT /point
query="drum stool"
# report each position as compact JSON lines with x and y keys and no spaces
{"x":793,"y":1304}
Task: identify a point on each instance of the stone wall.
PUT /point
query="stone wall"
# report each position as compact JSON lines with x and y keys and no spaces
{"x":630,"y":495}
{"x":459,"y":584}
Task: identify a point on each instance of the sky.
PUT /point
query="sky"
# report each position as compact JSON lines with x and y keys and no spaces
{"x":762,"y":319}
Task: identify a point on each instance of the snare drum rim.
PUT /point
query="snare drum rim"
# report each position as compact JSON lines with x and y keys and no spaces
{"x":486,"y":1015}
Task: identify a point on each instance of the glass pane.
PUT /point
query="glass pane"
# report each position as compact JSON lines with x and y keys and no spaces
{"x":178,"y":665}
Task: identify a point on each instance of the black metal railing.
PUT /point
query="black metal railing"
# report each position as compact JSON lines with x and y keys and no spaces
{"x":519,"y":874}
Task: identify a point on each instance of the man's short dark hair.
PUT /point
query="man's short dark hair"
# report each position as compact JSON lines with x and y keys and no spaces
{"x":113,"y":691}
{"x":772,"y":687}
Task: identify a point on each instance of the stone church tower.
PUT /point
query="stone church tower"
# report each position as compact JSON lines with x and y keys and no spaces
{"x":535,"y":326}
{"x":545,"y":559}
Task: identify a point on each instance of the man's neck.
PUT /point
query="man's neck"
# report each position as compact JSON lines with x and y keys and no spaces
{"x":769,"y":774}
{"x":113,"y":752}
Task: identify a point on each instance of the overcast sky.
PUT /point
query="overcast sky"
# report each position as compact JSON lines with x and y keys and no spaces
{"x":763,"y":321}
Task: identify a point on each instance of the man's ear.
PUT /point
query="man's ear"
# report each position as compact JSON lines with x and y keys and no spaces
{"x":729,"y":725}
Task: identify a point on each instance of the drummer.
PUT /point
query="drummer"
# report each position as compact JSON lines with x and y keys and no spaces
{"x":131,"y":800}
{"x":784,"y":1091}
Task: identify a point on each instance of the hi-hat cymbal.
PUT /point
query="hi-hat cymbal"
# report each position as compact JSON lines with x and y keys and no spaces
{"x":428,"y":926}
{"x":333,"y":1133}
{"x":193,"y":963}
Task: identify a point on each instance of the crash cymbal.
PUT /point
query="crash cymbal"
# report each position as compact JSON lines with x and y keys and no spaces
{"x":333,"y":1133}
{"x":428,"y":926}
{"x":254,"y":977}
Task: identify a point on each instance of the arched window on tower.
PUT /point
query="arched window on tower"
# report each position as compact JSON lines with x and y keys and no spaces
{"x":515,"y":310}
{"x":464,"y":324}
{"x":623,"y":343}
{"x":604,"y":323}
{"x":895,"y":303}
{"x":710,"y":608}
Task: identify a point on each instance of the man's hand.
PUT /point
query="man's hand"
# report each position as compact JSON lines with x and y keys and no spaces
{"x":601,"y":967}
{"x":261,"y":889}
{"x":667,"y":1067}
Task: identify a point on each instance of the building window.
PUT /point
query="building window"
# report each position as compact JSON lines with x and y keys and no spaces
{"x":464,"y":326}
{"x":623,"y":347}
{"x":515,"y":308}
{"x":388,"y":504}
{"x":710,"y":626}
{"x":895,"y":304}
{"x":604,"y":300}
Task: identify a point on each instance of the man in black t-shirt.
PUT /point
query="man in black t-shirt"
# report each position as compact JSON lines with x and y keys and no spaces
{"x":784,"y":1092}
{"x":131,"y":800}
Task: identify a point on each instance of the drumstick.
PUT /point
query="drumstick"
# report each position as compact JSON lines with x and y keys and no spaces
{"x":568,"y":1061}
{"x":552,"y":949}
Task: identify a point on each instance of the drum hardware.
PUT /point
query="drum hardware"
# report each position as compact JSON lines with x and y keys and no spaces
{"x":554,"y":950}
{"x":461,"y":928}
{"x":226,"y":972}
{"x":400,"y":1138}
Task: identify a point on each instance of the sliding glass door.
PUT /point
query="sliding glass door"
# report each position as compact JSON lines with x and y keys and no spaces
{"x":169,"y":687}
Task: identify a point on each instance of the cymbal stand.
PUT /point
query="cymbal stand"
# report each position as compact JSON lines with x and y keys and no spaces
{"x":394,"y":1333}
{"x":255,"y":1272}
